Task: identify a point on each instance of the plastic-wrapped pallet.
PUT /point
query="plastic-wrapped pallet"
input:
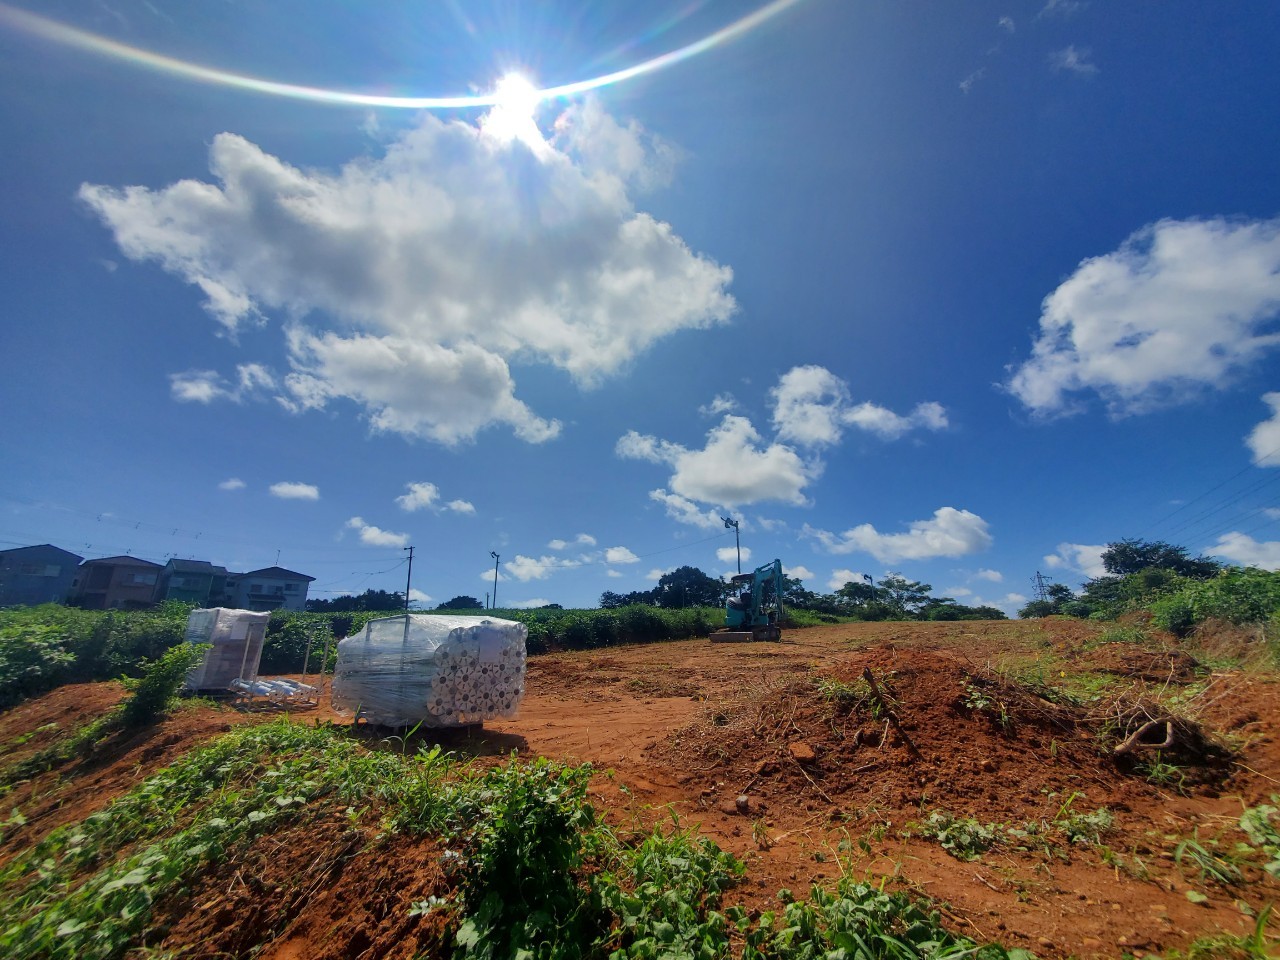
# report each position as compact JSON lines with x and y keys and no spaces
{"x":439,"y":671}
{"x":236,"y":636}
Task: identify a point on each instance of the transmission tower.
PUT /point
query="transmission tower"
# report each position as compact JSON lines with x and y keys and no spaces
{"x":1042,"y":592}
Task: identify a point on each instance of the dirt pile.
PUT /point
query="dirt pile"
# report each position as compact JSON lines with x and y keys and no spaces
{"x":930,"y":728}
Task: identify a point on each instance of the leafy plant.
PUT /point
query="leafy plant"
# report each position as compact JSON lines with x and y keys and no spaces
{"x":964,"y":838}
{"x":1211,"y":866}
{"x":1256,"y":822}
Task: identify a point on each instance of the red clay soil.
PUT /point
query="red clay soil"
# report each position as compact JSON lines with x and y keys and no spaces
{"x":780,"y":753}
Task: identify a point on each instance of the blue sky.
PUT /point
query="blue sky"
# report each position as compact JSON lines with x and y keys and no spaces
{"x":961,"y":291}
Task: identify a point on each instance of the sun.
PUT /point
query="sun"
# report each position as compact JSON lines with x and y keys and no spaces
{"x":517,"y":97}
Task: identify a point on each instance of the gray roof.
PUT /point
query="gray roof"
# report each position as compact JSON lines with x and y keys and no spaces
{"x":43,"y":546}
{"x":276,"y":573}
{"x":196,"y":566}
{"x":123,"y":562}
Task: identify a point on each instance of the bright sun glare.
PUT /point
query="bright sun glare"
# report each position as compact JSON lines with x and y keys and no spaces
{"x":517,"y":96}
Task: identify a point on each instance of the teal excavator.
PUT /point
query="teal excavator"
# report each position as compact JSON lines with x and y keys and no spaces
{"x":754,"y":608}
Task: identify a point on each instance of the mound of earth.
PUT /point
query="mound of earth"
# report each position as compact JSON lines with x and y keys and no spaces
{"x":937,"y":729}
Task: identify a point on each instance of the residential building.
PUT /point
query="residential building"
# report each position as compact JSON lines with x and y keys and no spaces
{"x":193,"y":581}
{"x":34,"y":575}
{"x":115,"y":583}
{"x":272,"y":588}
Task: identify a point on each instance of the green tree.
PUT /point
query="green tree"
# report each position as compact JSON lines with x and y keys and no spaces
{"x":460,"y":603}
{"x":905,"y":597}
{"x":370,"y":600}
{"x":1124,"y":557}
{"x":688,"y":587}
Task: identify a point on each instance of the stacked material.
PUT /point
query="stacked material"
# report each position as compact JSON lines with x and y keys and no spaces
{"x":236,"y":637}
{"x":277,"y":691}
{"x":439,"y":671}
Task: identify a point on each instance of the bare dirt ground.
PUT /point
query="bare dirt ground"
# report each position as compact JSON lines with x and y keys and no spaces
{"x":781,"y":753}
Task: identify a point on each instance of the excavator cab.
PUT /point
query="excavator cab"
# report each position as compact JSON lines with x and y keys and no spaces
{"x":754,"y":608}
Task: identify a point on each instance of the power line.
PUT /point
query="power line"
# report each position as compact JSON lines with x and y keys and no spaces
{"x":1213,"y":489}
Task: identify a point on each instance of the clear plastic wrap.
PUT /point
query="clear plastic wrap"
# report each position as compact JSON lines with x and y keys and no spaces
{"x":439,"y":671}
{"x":236,"y":636}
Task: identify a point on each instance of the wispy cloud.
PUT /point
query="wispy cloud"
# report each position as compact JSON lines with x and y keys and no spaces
{"x":1073,"y":60}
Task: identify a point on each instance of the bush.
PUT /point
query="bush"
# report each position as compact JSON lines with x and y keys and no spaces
{"x":1236,"y":595}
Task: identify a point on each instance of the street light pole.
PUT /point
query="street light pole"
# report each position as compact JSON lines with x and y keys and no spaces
{"x":736,"y":543}
{"x":495,"y":579}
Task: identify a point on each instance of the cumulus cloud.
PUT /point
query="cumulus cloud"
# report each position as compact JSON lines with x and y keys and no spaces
{"x":1241,"y":549}
{"x":1182,"y":306}
{"x":1073,"y":60}
{"x":684,"y":510}
{"x":1264,"y":439}
{"x":418,"y":597}
{"x":231,"y":483}
{"x":657,"y":573}
{"x":722,"y":403}
{"x":426,"y":496}
{"x":950,"y":533}
{"x":1083,"y":558}
{"x":799,"y":573}
{"x":582,"y":540}
{"x":812,"y":407}
{"x":206,"y":386}
{"x":375,"y":536}
{"x":840,"y":577}
{"x":995,"y":576}
{"x":289,"y":490}
{"x":529,"y":568}
{"x":733,"y":469}
{"x":957,"y":592}
{"x":730,"y":555}
{"x":620,"y":555}
{"x":434,"y":264}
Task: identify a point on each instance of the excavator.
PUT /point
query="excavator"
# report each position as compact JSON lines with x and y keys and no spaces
{"x":753,"y":611}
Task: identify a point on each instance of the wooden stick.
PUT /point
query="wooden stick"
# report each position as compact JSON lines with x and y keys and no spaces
{"x":1132,"y":742}
{"x":888,"y":711}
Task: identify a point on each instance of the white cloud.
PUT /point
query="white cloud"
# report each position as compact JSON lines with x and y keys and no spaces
{"x":730,"y":555}
{"x":616,"y":574}
{"x":684,"y":510}
{"x":723,"y":403}
{"x":1245,"y":551}
{"x":198,"y":386}
{"x":372,"y":536}
{"x":733,"y":469}
{"x":460,"y":506}
{"x":1180,"y":307}
{"x":620,"y":555}
{"x":528,"y":568}
{"x":440,"y":260}
{"x":289,"y":490}
{"x":1083,"y":558}
{"x":950,"y":533}
{"x":526,"y":604}
{"x":231,"y":483}
{"x":1073,"y":60}
{"x":840,"y":577}
{"x":417,"y":596}
{"x":421,"y":496}
{"x":1264,"y":439}
{"x":1006,"y":23}
{"x":799,"y":573}
{"x":657,"y":573}
{"x":582,"y":539}
{"x":995,"y":576}
{"x":957,"y":592}
{"x":812,"y":406}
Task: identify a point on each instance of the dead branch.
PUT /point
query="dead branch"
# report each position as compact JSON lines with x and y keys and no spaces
{"x":1134,"y":740}
{"x":888,"y":711}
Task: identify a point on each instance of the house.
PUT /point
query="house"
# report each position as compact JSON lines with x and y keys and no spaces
{"x":34,"y":575}
{"x":115,"y":583}
{"x":272,"y":588}
{"x":193,"y":581}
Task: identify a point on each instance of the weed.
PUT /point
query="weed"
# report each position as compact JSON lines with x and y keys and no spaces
{"x":963,"y":838}
{"x":1211,"y":866}
{"x":1256,"y":945}
{"x":1083,"y":827}
{"x":1256,"y":822}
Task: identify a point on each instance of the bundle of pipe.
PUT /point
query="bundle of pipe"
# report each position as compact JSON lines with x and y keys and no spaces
{"x":438,"y":671}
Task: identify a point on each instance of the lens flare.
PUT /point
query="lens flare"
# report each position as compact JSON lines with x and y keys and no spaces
{"x":48,"y":29}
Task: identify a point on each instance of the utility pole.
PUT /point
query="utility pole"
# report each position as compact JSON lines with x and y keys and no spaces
{"x":408,"y":581}
{"x":496,"y":558}
{"x":734,"y":523}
